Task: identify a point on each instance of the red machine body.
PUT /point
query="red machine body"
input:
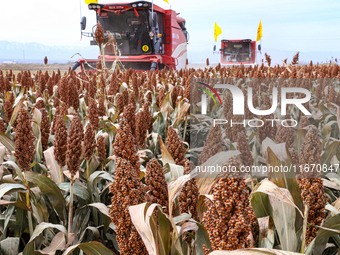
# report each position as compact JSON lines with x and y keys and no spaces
{"x":238,"y":52}
{"x":147,"y":36}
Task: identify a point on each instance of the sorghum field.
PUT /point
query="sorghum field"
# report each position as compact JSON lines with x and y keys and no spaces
{"x":99,"y":163}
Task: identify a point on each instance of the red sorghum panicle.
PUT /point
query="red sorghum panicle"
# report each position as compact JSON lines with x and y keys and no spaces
{"x":114,"y":85}
{"x":156,"y":185}
{"x":175,"y":93}
{"x":24,"y":140}
{"x":129,"y":114}
{"x":93,"y":113}
{"x":99,"y":34}
{"x":140,"y":130}
{"x":227,"y":218}
{"x":74,"y":146}
{"x":91,"y":88}
{"x":310,"y":152}
{"x":26,"y":80}
{"x":101,"y":105}
{"x":285,"y":135}
{"x":41,"y":84}
{"x":125,"y":94}
{"x":8,"y":80}
{"x":175,"y":146}
{"x":294,"y":156}
{"x":8,"y":106}
{"x":124,"y":145}
{"x":188,"y":197}
{"x":44,"y":129}
{"x":295,"y":60}
{"x":268,"y":59}
{"x":212,"y":145}
{"x":132,"y":98}
{"x":126,"y":190}
{"x":141,"y":96}
{"x":143,"y":125}
{"x":267,"y":130}
{"x":160,"y":96}
{"x":89,"y":141}
{"x":101,"y":148}
{"x":61,"y":110}
{"x":135,"y":83}
{"x":63,"y":90}
{"x":119,"y":102}
{"x":148,"y":117}
{"x":60,"y":140}
{"x":49,"y":86}
{"x":73,"y":99}
{"x":304,"y":122}
{"x":243,"y":147}
{"x":312,"y":190}
{"x":187,"y":89}
{"x":233,"y":131}
{"x":2,"y":83}
{"x":2,"y":126}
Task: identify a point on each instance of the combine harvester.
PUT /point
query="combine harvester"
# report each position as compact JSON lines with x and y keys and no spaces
{"x":148,"y":37}
{"x":238,"y":52}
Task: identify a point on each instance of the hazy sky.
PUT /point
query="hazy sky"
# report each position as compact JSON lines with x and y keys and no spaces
{"x":304,"y":25}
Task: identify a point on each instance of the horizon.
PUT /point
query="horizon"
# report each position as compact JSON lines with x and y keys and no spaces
{"x":61,"y":54}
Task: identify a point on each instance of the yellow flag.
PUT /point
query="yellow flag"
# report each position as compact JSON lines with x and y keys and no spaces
{"x":91,"y":1}
{"x":259,"y":31}
{"x":217,"y":31}
{"x":167,"y":1}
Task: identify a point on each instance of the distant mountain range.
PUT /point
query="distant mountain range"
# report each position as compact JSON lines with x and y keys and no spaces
{"x":35,"y":53}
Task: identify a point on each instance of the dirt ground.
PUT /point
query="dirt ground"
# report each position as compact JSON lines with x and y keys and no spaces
{"x":54,"y":67}
{"x":35,"y":67}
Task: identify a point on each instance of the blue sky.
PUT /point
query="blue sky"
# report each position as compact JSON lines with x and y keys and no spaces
{"x":288,"y":25}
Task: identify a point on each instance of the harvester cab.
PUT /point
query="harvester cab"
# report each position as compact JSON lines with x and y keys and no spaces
{"x":145,"y":35}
